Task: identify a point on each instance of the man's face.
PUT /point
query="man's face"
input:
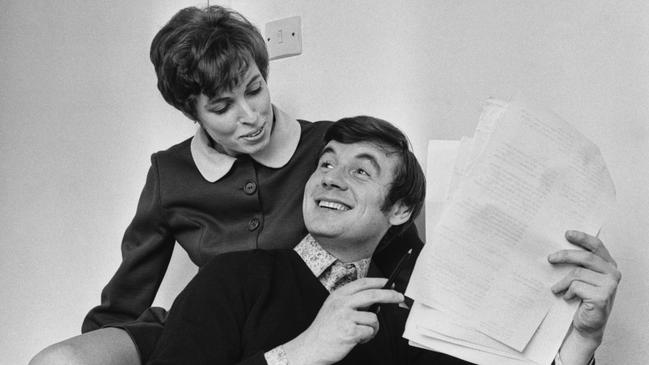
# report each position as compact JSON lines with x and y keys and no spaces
{"x":344,"y":196}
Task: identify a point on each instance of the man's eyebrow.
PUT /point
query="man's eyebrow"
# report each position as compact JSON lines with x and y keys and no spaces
{"x":371,"y":159}
{"x":361,"y":156}
{"x":326,"y":149}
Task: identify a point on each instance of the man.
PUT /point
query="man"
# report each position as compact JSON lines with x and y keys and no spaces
{"x":293,"y":307}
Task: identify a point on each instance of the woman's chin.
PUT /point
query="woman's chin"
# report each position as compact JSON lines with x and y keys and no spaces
{"x":256,"y":147}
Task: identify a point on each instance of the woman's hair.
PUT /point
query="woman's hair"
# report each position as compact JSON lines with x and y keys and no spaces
{"x":409,"y":182}
{"x":205,"y":51}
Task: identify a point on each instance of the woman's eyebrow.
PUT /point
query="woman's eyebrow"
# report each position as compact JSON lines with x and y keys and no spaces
{"x":220,"y":99}
{"x":253,"y":79}
{"x":217,"y":100}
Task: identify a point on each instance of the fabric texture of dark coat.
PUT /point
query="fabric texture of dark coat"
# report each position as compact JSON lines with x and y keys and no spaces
{"x":244,"y":304}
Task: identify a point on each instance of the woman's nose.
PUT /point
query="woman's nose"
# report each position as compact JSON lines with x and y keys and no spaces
{"x":247,"y":114}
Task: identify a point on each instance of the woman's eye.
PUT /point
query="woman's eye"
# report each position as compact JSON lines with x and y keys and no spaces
{"x":326,"y":164}
{"x":220,"y":109}
{"x":254,"y":89}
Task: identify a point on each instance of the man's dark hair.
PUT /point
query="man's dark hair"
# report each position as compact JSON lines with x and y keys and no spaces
{"x":409,"y":183}
{"x":205,"y":51}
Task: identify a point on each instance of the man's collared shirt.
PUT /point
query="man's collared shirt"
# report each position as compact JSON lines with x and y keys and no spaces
{"x":321,"y":263}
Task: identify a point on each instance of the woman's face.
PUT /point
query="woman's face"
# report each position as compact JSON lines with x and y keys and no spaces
{"x":239,"y":120}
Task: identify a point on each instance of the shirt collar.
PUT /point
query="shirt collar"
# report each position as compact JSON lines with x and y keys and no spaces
{"x":317,"y":259}
{"x":213,"y":165}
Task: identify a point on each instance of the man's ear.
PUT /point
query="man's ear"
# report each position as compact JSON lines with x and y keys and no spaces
{"x":399,"y":213}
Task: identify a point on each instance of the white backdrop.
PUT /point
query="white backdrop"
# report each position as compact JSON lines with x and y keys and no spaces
{"x":81,"y":115}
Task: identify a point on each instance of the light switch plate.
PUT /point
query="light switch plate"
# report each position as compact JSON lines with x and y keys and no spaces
{"x":284,"y":37}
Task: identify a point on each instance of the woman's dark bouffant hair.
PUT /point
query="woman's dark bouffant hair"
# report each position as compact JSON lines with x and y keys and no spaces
{"x":409,"y":183}
{"x":205,"y":51}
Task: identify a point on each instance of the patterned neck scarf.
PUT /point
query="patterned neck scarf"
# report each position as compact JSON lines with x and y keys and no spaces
{"x":331,"y":272}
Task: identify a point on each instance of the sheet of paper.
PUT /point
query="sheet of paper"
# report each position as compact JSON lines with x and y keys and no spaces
{"x":534,"y":178}
{"x":462,"y":160}
{"x":441,"y":162}
{"x":443,"y":326}
{"x":492,"y":111}
{"x":447,"y":327}
{"x":417,"y":339}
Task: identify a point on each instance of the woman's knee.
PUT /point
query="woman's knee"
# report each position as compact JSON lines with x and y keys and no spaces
{"x":109,"y":346}
{"x":59,"y":353}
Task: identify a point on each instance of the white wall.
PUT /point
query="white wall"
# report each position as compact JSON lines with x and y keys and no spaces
{"x":80,"y":116}
{"x":426,"y":65}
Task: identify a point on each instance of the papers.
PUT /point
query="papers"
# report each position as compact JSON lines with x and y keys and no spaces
{"x":497,"y":205}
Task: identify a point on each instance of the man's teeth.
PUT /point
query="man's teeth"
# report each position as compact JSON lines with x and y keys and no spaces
{"x":332,"y":205}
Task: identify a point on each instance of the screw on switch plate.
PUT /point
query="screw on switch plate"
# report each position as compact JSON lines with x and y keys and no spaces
{"x":284,"y":37}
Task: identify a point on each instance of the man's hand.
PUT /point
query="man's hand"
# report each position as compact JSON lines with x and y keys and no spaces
{"x":341,"y":323}
{"x":594,"y":281}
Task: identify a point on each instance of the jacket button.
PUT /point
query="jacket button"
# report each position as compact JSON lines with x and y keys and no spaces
{"x":250,"y":187}
{"x":253,"y":224}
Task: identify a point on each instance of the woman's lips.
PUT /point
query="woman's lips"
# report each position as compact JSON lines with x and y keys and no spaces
{"x":254,"y":134}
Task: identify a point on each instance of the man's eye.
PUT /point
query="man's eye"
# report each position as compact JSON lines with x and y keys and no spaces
{"x":326,"y":164}
{"x":362,"y":172}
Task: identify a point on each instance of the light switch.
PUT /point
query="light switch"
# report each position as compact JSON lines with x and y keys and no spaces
{"x":284,"y":37}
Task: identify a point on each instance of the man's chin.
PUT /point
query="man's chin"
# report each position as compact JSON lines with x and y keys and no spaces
{"x":324,"y":232}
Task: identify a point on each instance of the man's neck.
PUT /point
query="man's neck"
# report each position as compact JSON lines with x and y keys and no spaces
{"x":347,"y":251}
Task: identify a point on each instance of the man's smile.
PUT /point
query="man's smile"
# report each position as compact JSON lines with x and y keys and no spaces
{"x":333,"y":205}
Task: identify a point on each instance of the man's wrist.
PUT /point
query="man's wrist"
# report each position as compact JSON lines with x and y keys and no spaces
{"x":276,"y":356}
{"x":298,"y":352}
{"x":558,"y":361}
{"x":578,"y":349}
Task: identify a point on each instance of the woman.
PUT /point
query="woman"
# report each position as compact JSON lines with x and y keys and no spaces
{"x":236,"y":185}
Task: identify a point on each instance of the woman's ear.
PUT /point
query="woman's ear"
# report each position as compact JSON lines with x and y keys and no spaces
{"x":190,"y":106}
{"x":191,"y":117}
{"x":399,"y":213}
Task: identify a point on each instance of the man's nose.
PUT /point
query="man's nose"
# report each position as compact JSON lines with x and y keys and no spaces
{"x":335,"y":178}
